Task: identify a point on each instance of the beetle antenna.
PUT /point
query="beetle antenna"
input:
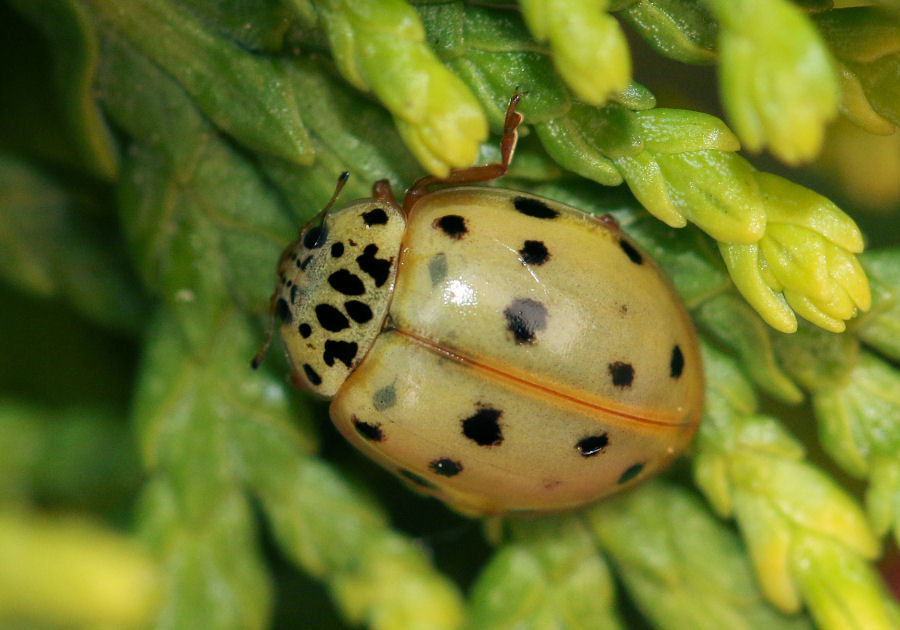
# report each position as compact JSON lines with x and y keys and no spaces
{"x":320,"y":216}
{"x":342,"y":179}
{"x":258,"y":359}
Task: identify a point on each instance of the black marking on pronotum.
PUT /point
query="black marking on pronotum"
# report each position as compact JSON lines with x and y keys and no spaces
{"x":337,"y":250}
{"x":446,"y":467}
{"x":343,"y":351}
{"x":630,"y":473}
{"x":302,"y":264}
{"x":346,"y":282}
{"x":676,"y":363}
{"x":283,"y":311}
{"x":416,"y":479}
{"x":358,"y":311}
{"x":305,"y":330}
{"x":375,"y":217}
{"x":633,"y":254}
{"x":534,"y":208}
{"x":378,"y":268}
{"x":524,"y":317}
{"x":312,"y":375}
{"x":295,"y":291}
{"x":483,"y":427}
{"x":452,"y":225}
{"x":371,"y":432}
{"x":315,"y":237}
{"x":592,"y":445}
{"x":534,"y":253}
{"x":331,"y":318}
{"x":622,"y":374}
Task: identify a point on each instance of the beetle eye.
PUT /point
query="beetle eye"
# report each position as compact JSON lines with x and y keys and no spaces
{"x":315,"y":237}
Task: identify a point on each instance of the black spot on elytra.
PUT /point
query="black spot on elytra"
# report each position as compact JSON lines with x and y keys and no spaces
{"x":534,"y":208}
{"x":283,"y":311}
{"x":343,"y":351}
{"x":630,"y":473}
{"x":295,"y":291}
{"x":302,"y":264}
{"x":592,"y":445}
{"x":375,"y":217}
{"x":437,"y":268}
{"x":416,"y":479}
{"x":524,"y":317}
{"x":346,"y":282}
{"x":622,"y":374}
{"x":534,"y":253}
{"x":358,"y":311}
{"x":371,"y":432}
{"x":312,"y":375}
{"x":337,"y":250}
{"x":676,"y":363}
{"x":384,"y":398}
{"x":378,"y":268}
{"x":452,"y":225}
{"x":331,"y":318}
{"x":304,"y":330}
{"x":483,"y":427}
{"x":315,"y":237}
{"x":633,"y":254}
{"x":446,"y":467}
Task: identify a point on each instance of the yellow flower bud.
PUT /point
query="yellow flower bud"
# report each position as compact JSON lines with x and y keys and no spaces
{"x":804,"y":263}
{"x":589,"y":48}
{"x":779,"y":86}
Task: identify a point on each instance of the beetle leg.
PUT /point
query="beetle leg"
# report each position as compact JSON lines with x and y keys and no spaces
{"x":474,"y":174}
{"x":273,"y":299}
{"x":381,"y":191}
{"x":609,"y":221}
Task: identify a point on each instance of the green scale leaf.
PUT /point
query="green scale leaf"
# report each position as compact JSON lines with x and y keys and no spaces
{"x":808,"y":541}
{"x":880,"y":328}
{"x":348,"y":134}
{"x":550,"y":567}
{"x":492,"y":51}
{"x":246,"y":95}
{"x":685,"y":570}
{"x":72,"y":43}
{"x":204,"y":227}
{"x":683,"y":30}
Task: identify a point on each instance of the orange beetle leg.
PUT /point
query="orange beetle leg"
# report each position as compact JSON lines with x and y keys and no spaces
{"x":474,"y":174}
{"x":381,"y":191}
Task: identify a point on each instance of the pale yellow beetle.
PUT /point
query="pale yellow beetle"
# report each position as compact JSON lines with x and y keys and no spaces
{"x":502,"y":352}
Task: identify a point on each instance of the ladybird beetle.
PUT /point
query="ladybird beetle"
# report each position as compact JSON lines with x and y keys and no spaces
{"x":501,"y":352}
